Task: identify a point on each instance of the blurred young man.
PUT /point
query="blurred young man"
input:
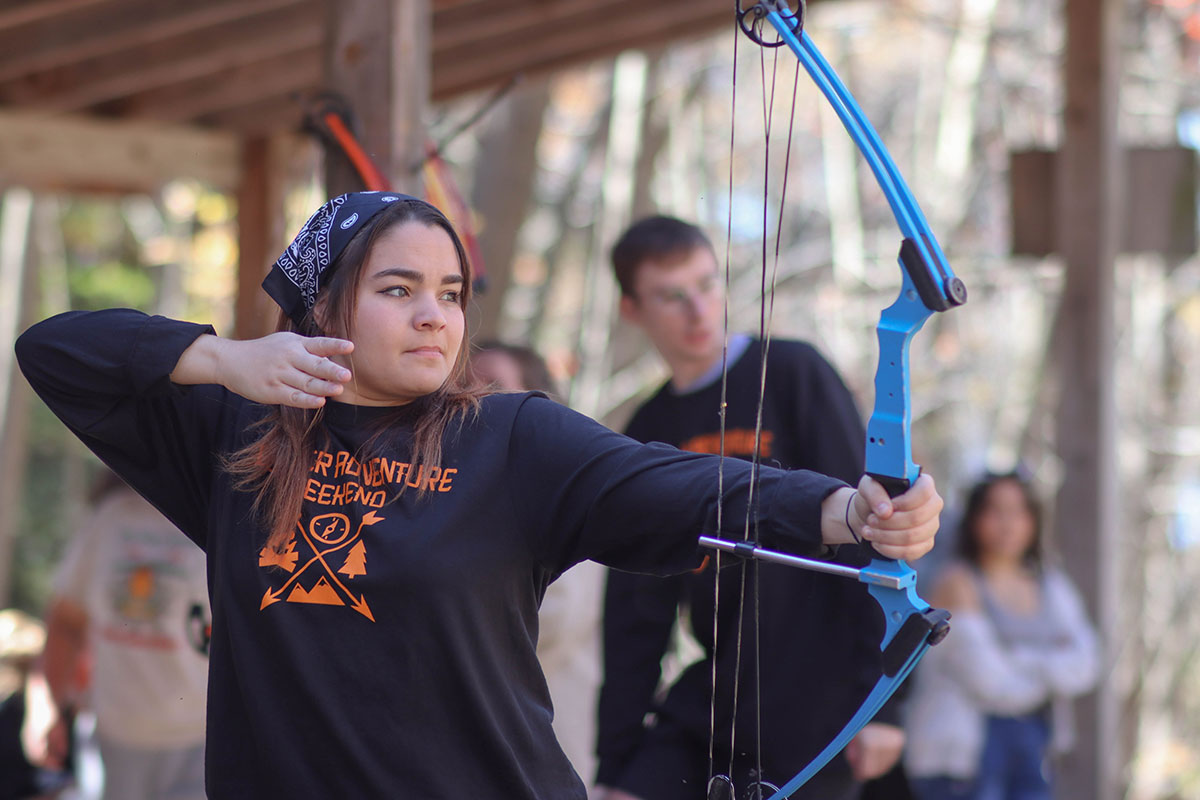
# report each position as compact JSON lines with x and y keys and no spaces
{"x":815,"y":669}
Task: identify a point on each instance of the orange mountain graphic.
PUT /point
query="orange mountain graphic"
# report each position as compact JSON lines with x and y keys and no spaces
{"x":321,"y":594}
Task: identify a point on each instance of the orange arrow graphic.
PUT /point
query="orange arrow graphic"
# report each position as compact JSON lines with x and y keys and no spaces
{"x":360,"y":605}
{"x":271,"y":597}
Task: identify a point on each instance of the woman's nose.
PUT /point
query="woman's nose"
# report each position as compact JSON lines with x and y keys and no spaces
{"x":429,"y":314}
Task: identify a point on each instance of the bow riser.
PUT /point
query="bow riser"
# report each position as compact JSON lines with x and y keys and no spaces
{"x":889,"y":447}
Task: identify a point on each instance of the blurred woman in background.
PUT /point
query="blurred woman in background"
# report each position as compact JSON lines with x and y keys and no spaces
{"x":990,"y":706}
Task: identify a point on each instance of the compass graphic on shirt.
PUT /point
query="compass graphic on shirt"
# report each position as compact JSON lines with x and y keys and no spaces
{"x":331,"y":546}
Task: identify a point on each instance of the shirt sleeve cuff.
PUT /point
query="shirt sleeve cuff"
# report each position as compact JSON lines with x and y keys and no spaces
{"x":151,"y":367}
{"x":792,"y":507}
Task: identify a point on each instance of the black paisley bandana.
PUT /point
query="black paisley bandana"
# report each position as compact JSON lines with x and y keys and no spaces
{"x":299,"y":273}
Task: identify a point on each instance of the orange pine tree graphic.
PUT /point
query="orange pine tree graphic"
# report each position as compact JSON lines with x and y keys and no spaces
{"x":356,"y":561}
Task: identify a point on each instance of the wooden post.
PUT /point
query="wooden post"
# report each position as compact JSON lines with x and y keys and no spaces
{"x":1086,"y":516}
{"x":378,"y":58}
{"x":257,"y":204}
{"x":270,"y":167}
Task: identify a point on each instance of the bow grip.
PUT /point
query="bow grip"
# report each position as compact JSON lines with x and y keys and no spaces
{"x":894,"y":486}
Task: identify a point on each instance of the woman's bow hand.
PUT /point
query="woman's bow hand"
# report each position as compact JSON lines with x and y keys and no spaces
{"x":901,"y":527}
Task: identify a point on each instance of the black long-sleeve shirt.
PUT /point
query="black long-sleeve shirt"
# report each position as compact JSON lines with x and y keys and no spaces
{"x":389,"y":650}
{"x":816,"y":630}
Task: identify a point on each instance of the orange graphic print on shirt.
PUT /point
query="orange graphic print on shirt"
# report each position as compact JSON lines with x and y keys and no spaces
{"x":739,"y":443}
{"x":332,"y":545}
{"x":325,"y":554}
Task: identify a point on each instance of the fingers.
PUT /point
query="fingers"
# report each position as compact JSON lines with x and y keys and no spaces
{"x":323,"y":368}
{"x":902,"y":527}
{"x":300,"y":371}
{"x":308,"y":389}
{"x":876,"y":496}
{"x":904,"y":536}
{"x":327,"y":346}
{"x":312,"y":381}
{"x":872,"y":498}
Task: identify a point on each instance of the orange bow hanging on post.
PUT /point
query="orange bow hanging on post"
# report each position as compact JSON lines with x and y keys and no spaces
{"x":329,"y":118}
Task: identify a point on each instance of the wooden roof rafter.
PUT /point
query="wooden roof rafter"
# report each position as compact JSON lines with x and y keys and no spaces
{"x":150,"y":59}
{"x":114,"y":26}
{"x":165,"y":62}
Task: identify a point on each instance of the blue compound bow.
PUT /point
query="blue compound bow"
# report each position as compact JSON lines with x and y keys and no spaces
{"x":929,"y":285}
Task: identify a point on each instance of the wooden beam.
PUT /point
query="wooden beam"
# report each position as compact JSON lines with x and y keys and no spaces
{"x":591,"y":33}
{"x":44,"y":152}
{"x":480,"y":73}
{"x":377,"y":57}
{"x":449,"y":18}
{"x":111,"y":27}
{"x":1087,"y":510}
{"x":195,"y":55}
{"x":22,"y":12}
{"x":297,"y":71}
{"x":440,"y":6}
{"x":470,"y":26}
{"x":284,"y":112}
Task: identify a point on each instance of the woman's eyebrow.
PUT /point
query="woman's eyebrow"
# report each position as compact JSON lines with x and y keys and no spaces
{"x":413,"y":275}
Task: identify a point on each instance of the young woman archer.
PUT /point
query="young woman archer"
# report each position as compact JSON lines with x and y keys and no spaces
{"x":379,"y":532}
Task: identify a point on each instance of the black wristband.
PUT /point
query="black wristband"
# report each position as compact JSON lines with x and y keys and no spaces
{"x":857,"y":538}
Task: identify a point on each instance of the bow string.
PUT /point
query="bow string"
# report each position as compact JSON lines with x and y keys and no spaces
{"x":928,"y":286}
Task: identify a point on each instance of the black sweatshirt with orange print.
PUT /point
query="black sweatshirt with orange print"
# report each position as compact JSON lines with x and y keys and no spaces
{"x":814,"y":630}
{"x":388,"y":650}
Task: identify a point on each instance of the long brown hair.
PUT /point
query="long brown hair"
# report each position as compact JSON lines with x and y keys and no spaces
{"x":277,"y":463}
{"x":969,"y":548}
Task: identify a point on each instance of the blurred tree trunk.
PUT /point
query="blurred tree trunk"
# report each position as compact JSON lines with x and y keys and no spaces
{"x":503,"y":188}
{"x":17,"y":293}
{"x":656,"y":121}
{"x":629,"y":84}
